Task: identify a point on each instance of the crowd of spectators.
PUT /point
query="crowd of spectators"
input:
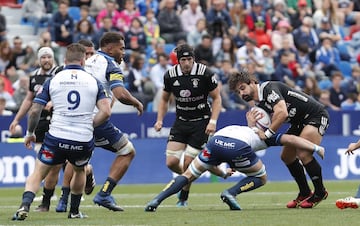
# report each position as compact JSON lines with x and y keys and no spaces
{"x":310,"y":45}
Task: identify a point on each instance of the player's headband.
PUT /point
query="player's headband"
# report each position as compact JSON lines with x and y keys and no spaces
{"x":184,"y":52}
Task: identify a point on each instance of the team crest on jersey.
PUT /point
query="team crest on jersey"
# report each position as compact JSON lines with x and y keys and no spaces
{"x":195,"y":82}
{"x":185,"y":93}
{"x":116,"y":76}
{"x":272,"y":97}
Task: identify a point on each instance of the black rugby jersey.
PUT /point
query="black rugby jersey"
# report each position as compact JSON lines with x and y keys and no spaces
{"x":36,"y":82}
{"x":299,"y":105}
{"x":191,"y":91}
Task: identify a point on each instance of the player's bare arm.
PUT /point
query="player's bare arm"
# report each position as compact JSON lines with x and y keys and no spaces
{"x":24,"y":108}
{"x":352,"y":147}
{"x":104,"y":112}
{"x":34,"y":117}
{"x":215,"y":110}
{"x":125,"y":97}
{"x":162,"y":109}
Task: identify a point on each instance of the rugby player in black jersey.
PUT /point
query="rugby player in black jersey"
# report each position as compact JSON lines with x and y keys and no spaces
{"x":308,"y":119}
{"x":191,"y":83}
{"x":37,"y":78}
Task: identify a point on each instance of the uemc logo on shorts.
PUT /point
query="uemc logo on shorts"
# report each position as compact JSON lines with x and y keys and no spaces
{"x":15,"y":169}
{"x":224,"y":144}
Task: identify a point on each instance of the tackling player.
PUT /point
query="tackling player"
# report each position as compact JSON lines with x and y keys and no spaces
{"x":236,"y":146}
{"x":46,"y":70}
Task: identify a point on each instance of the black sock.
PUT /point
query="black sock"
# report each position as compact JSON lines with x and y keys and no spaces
{"x":173,"y":187}
{"x":313,"y":168}
{"x":107,"y":187}
{"x":75,"y":203}
{"x":47,"y":194}
{"x":184,"y":195}
{"x":27,"y":198}
{"x":297,"y":171}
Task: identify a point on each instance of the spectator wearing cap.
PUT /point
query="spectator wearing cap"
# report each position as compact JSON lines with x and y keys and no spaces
{"x":298,"y":15}
{"x":249,"y":53}
{"x":190,"y":15}
{"x":327,"y":28}
{"x":295,"y":5}
{"x":282,"y":32}
{"x":327,"y":57}
{"x":259,"y":35}
{"x":170,"y":24}
{"x":256,"y":14}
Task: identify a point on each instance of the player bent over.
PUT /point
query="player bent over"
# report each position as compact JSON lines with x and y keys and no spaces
{"x":236,"y":146}
{"x":350,"y":202}
{"x":70,"y":137}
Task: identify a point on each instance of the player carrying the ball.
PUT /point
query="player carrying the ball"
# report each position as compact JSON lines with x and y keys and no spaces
{"x":308,"y":119}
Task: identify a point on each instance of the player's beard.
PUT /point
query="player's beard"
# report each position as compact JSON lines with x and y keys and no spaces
{"x":46,"y":66}
{"x":118,"y":58}
{"x":250,"y":96}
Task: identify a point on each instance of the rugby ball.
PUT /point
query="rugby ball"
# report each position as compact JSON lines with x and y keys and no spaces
{"x":264,"y":120}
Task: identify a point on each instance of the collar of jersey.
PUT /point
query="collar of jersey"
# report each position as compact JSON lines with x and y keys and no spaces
{"x":73,"y":66}
{"x":105,"y":55}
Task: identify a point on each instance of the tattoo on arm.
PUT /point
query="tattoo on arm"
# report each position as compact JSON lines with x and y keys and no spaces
{"x":34,"y":116}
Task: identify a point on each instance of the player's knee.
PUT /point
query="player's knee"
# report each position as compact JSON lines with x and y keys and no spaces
{"x":127,"y":149}
{"x":172,"y":162}
{"x":191,"y":152}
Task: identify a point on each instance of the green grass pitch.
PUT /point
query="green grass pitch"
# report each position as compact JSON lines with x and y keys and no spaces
{"x":262,"y":207}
